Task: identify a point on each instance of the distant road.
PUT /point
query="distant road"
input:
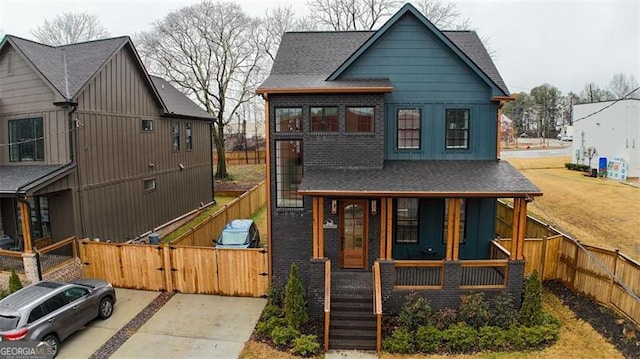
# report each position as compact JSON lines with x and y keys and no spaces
{"x":551,"y":152}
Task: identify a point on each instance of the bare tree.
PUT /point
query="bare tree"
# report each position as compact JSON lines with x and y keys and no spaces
{"x":278,"y":21}
{"x":621,"y":85}
{"x":349,"y":15}
{"x":212,"y":52}
{"x":592,"y":93}
{"x":443,"y":16}
{"x":69,"y":28}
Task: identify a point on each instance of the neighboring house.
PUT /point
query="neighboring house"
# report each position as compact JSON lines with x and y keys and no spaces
{"x":613,"y":129}
{"x":383,"y":148}
{"x":93,"y":146}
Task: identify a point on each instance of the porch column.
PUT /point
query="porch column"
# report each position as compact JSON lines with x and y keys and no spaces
{"x":25,"y":218}
{"x":453,"y":229}
{"x":318,"y":227}
{"x":389,"y":225}
{"x":383,"y":228}
{"x":519,"y":226}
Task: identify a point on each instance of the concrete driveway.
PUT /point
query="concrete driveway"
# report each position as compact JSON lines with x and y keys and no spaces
{"x":188,"y":326}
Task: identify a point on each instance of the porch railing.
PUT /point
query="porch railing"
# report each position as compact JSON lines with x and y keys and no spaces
{"x":498,"y":251}
{"x":57,"y":254}
{"x":417,"y":274}
{"x":484,"y":274}
{"x":327,"y":302}
{"x":377,"y":304}
{"x":11,"y":260}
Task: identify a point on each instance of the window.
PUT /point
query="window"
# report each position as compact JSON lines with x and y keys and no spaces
{"x":175,"y":135}
{"x":288,"y":173}
{"x":54,"y":303}
{"x":407,"y":220}
{"x":324,"y":119}
{"x":188,"y":144}
{"x":147,"y":125}
{"x":409,"y":128}
{"x":36,"y":313}
{"x":26,"y":140}
{"x":149,"y":184}
{"x":74,"y":293}
{"x":457,"y":128}
{"x":10,"y":63}
{"x":360,"y":119}
{"x":463,"y":216}
{"x":288,"y":119}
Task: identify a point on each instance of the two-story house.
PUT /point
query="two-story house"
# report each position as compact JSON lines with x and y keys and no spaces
{"x":383,"y":151}
{"x":93,"y":146}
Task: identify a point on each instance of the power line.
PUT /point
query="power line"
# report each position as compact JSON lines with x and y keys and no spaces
{"x":606,"y":107}
{"x":34,"y":139}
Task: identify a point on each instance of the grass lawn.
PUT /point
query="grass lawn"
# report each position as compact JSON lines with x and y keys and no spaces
{"x":596,"y":211}
{"x":220,"y":202}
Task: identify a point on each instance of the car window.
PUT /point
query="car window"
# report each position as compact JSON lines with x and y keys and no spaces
{"x":53,"y":303}
{"x":8,"y":323}
{"x":233,"y":238}
{"x":36,"y":313}
{"x":74,"y":293}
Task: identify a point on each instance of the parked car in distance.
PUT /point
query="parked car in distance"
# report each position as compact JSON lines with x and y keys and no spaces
{"x":239,"y":233}
{"x":51,"y":311}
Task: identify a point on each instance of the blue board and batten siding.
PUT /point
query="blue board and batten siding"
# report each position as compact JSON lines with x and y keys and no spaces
{"x":428,"y":75}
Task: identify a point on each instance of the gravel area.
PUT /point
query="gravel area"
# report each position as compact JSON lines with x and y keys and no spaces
{"x":602,"y":319}
{"x":107,"y":349}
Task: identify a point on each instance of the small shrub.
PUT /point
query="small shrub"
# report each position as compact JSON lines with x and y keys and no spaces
{"x":428,"y":339}
{"x":3,"y":293}
{"x":548,"y":319}
{"x":492,"y":338}
{"x":271,"y":310}
{"x":577,"y":167}
{"x":306,"y":345}
{"x":474,"y":310}
{"x":267,"y":326}
{"x":275,"y":296}
{"x":460,"y":338}
{"x":539,"y":335}
{"x":415,"y":311}
{"x":14,"y":282}
{"x":531,"y":310}
{"x":503,"y":313}
{"x":400,"y":342}
{"x":514,"y":337}
{"x":283,"y":335}
{"x":445,"y":317}
{"x":295,"y":309}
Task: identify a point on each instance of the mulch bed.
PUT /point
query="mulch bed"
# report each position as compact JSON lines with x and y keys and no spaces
{"x":602,"y":319}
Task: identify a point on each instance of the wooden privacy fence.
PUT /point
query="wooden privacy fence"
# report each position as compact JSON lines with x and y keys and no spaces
{"x":608,"y":276}
{"x":244,"y":206}
{"x":202,"y":270}
{"x":241,"y":157}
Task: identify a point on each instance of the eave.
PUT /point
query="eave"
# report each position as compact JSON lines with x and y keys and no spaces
{"x":420,"y":194}
{"x":325,"y":90}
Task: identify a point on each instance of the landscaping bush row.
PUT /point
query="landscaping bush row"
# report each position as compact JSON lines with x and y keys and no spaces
{"x":577,"y":167}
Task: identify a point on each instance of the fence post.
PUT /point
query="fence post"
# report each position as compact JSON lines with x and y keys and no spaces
{"x":543,"y":258}
{"x":168,"y":273}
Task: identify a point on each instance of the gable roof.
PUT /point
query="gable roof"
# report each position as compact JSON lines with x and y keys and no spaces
{"x":176,"y":102}
{"x":68,"y":68}
{"x":304,"y":61}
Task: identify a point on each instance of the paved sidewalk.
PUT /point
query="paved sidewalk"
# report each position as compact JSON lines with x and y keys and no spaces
{"x":349,"y":354}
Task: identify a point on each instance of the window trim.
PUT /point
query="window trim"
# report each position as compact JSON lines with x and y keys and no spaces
{"x":175,"y":135}
{"x":278,"y":183}
{"x":446,"y":129}
{"x":396,"y":224}
{"x":300,"y":127}
{"x":373,"y":119}
{"x":144,"y":129}
{"x":188,"y":136}
{"x":324,"y":130}
{"x":149,"y":180}
{"x":419,"y":129}
{"x":15,"y":144}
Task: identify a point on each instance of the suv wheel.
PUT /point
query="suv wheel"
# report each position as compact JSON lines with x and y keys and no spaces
{"x":106,"y":308}
{"x":53,"y":342}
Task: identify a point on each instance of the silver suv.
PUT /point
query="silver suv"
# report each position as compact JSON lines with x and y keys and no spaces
{"x":51,"y":311}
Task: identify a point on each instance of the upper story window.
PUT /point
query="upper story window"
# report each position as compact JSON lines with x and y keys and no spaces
{"x":147,"y":125}
{"x":324,"y":119}
{"x":457,"y":124}
{"x":409,"y":123}
{"x":188,"y":142}
{"x":407,"y":223}
{"x":289,"y":119}
{"x":26,"y":140}
{"x":288,"y":173}
{"x":175,"y":135}
{"x":360,"y":119}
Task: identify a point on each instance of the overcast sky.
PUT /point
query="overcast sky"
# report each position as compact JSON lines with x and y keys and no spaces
{"x":565,"y":43}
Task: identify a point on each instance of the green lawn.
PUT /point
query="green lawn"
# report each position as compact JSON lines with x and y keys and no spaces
{"x":220,"y":202}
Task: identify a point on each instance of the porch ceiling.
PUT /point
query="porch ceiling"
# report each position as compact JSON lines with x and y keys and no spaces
{"x":421,"y":179}
{"x":19,"y":179}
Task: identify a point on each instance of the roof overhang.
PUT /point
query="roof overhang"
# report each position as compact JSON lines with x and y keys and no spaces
{"x":488,"y":179}
{"x":20,"y":181}
{"x":325,"y":90}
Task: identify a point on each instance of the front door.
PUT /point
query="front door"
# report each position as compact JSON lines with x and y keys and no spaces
{"x":353,"y":233}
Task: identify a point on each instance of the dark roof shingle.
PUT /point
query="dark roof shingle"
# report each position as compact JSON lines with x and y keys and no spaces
{"x":15,"y":179}
{"x":176,"y":102}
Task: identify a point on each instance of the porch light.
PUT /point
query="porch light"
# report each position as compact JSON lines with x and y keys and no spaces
{"x":374,"y":207}
{"x":334,"y":206}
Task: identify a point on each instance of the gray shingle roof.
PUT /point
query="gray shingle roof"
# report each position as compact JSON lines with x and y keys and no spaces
{"x":19,"y":178}
{"x":422,"y":179}
{"x":307,"y":59}
{"x":176,"y":102}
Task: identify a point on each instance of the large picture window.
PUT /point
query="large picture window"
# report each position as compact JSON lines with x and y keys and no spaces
{"x":324,"y":119}
{"x":360,"y":119}
{"x":457,"y":128}
{"x":407,"y":223}
{"x":288,"y":119}
{"x":409,"y":121}
{"x":26,"y":140}
{"x":288,"y":173}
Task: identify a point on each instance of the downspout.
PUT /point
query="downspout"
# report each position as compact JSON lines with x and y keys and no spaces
{"x":213,"y":199}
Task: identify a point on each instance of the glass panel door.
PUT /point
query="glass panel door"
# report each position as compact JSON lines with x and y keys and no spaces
{"x":354,"y":234}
